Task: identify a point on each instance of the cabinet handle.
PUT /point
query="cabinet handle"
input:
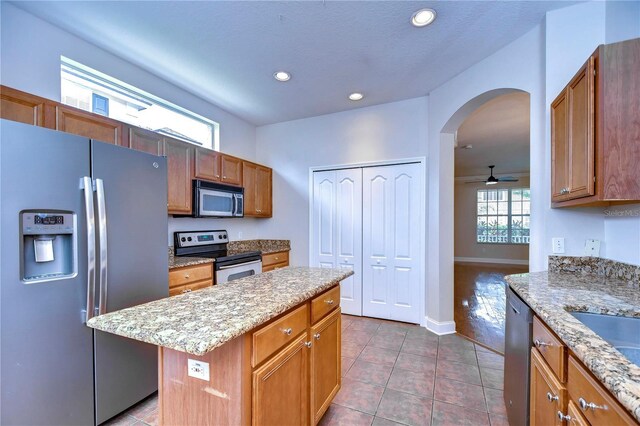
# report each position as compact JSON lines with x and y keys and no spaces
{"x":224,"y":177}
{"x":563,"y":418}
{"x":564,"y":191}
{"x":329,"y":302}
{"x":186,"y":275}
{"x":317,"y":336}
{"x":188,"y":290}
{"x":276,"y":258}
{"x":308,"y":344}
{"x":260,"y":211}
{"x":287,"y":331}
{"x":540,"y":343}
{"x":551,"y":397}
{"x":584,"y":405}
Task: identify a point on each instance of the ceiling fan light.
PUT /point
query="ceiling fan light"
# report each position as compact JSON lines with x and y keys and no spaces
{"x":491,"y":182}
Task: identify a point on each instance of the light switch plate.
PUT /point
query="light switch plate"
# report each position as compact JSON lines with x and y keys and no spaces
{"x":198,"y":369}
{"x":558,"y":245}
{"x":592,"y":248}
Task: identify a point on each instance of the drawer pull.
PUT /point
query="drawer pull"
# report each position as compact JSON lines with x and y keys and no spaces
{"x":540,"y":343}
{"x":584,"y":405}
{"x":308,"y":344}
{"x":551,"y":397}
{"x":186,"y":275}
{"x":317,"y":336}
{"x":563,"y":418}
{"x":287,"y":331}
{"x":329,"y":302}
{"x":188,"y":290}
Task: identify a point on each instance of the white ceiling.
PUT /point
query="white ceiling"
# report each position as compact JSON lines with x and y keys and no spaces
{"x":499,"y":134}
{"x":227,"y":51}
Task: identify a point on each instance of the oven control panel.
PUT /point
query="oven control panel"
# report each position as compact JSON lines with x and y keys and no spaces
{"x":200,"y":238}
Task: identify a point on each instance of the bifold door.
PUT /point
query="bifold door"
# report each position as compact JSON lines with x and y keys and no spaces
{"x":337,"y":230}
{"x":369,"y":220}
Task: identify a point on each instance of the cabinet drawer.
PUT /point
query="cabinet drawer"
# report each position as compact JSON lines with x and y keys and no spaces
{"x":274,"y":266}
{"x":582,"y":386}
{"x":273,"y":258}
{"x":190,"y":287}
{"x":190,"y":274}
{"x":551,"y":348}
{"x":321,"y":305}
{"x":269,"y":339}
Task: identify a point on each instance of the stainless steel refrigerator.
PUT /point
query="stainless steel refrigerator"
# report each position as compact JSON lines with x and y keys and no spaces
{"x":83,"y":232}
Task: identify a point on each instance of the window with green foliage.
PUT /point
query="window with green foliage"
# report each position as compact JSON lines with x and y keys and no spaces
{"x":504,"y":216}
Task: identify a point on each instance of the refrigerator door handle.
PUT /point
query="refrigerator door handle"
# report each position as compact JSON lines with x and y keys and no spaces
{"x":102,"y":239}
{"x":87,"y":186}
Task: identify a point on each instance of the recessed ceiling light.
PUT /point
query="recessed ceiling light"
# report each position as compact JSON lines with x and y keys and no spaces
{"x":282,"y":76}
{"x":355,"y":96}
{"x":423,"y":17}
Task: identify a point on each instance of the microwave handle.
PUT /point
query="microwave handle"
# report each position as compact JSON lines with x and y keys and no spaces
{"x":235,"y":205}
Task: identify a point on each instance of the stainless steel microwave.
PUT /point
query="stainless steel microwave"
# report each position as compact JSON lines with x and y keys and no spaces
{"x":217,"y":200}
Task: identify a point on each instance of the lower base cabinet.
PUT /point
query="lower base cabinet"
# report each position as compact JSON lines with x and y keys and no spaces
{"x":547,"y":394}
{"x":325,"y":364}
{"x":280,"y":387}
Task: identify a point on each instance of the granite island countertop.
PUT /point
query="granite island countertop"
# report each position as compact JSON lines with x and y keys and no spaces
{"x":203,"y":320}
{"x":552,"y":294}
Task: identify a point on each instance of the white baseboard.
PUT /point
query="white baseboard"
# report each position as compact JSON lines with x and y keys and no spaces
{"x":440,"y":328}
{"x":490,"y":260}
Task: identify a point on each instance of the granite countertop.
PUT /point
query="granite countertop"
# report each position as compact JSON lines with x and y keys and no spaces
{"x":179,"y":262}
{"x":263,"y":245}
{"x":552,"y":294}
{"x":203,"y":320}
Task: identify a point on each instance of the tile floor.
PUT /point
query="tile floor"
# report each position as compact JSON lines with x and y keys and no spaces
{"x":480,"y":301}
{"x":400,"y":374}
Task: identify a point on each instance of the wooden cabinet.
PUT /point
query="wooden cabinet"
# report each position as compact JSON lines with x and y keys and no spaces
{"x":79,"y":122}
{"x":145,"y":141}
{"x":208,"y":164}
{"x":26,"y":108}
{"x":180,"y":174}
{"x":325,"y":364}
{"x":594,"y":130}
{"x":547,"y":395}
{"x":275,"y":260}
{"x":190,"y":278}
{"x":280,"y":387}
{"x":575,"y":416}
{"x":269,"y":339}
{"x":257,"y":182}
{"x":231,"y":169}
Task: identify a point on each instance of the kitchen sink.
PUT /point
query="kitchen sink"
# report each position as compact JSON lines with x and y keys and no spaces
{"x":621,"y":332}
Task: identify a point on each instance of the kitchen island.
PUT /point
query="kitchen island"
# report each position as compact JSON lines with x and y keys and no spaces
{"x":259,"y":350}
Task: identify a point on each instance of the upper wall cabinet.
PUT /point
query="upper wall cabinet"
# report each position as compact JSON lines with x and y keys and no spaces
{"x":89,"y":125}
{"x":208,"y":164}
{"x":180,"y":173}
{"x":231,"y":168}
{"x":25,"y":108}
{"x":595,"y":130}
{"x":145,"y":141}
{"x":257,"y":190}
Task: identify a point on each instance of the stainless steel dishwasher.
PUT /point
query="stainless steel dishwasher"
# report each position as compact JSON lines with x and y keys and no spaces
{"x":517,"y":359}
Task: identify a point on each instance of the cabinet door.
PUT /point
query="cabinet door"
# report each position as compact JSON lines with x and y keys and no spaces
{"x":249,"y":178}
{"x":559,"y":148}
{"x":575,"y":416}
{"x":145,"y":141}
{"x":207,"y":164}
{"x":547,"y":395}
{"x":280,"y":388}
{"x":231,"y":170}
{"x":179,"y":170}
{"x":580,"y":96}
{"x":78,"y":122}
{"x":325,"y":364}
{"x":24,"y":107}
{"x":263,"y":191}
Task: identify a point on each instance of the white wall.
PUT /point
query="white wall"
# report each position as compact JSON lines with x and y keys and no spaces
{"x":31,"y":50}
{"x":385,"y":132}
{"x":466,"y":245}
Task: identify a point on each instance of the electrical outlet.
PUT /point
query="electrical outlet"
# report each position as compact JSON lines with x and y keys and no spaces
{"x":558,"y":245}
{"x":239,"y":235}
{"x":592,"y":248}
{"x":198,"y":369}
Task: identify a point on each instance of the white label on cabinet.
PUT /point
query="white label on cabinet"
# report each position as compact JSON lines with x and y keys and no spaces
{"x":198,"y":369}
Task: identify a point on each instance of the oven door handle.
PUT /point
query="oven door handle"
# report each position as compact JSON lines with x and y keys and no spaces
{"x":222,"y":268}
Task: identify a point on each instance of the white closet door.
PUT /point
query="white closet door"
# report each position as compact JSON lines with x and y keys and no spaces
{"x":337,"y":230}
{"x":391,"y":242}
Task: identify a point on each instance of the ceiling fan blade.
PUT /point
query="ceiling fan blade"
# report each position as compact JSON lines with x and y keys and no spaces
{"x":477,"y":181}
{"x":508,"y":179}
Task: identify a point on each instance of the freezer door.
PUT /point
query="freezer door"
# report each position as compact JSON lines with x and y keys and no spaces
{"x":135,"y":206}
{"x":47,"y":350}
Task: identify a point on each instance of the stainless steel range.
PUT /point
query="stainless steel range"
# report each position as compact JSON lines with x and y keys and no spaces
{"x":213,"y":244}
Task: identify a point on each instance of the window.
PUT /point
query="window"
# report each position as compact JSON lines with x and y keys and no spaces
{"x":504,"y":216}
{"x":93,"y":91}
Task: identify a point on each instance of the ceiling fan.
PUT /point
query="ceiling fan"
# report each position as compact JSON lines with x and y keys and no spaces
{"x":492,"y":180}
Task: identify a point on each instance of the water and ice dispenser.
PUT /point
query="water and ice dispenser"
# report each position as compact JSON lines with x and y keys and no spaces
{"x":48,"y":245}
